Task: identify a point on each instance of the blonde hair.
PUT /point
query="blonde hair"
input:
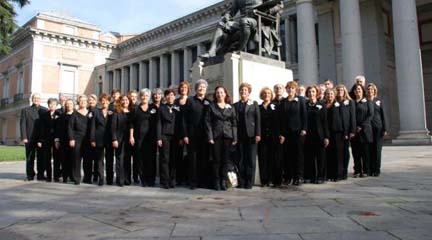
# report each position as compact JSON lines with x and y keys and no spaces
{"x":262,"y":93}
{"x":246,"y":85}
{"x":346,"y":94}
{"x":374,"y":87}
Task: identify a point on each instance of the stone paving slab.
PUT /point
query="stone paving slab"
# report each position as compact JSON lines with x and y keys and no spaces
{"x":396,"y":205}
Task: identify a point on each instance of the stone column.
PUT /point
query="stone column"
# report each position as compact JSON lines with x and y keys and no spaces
{"x":152,"y":74}
{"x":117,"y":78}
{"x":201,"y":49}
{"x":163,"y":71}
{"x":288,"y":40}
{"x":187,"y":63}
{"x":307,"y":47}
{"x":141,"y":77}
{"x":352,"y":45}
{"x":413,"y":130}
{"x":327,"y":51}
{"x":133,"y":77}
{"x":175,"y":68}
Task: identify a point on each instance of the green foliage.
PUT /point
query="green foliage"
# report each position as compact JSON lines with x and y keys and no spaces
{"x":7,"y":23}
{"x":12,"y":153}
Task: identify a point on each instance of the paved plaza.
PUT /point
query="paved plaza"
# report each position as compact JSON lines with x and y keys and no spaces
{"x":398,"y":205}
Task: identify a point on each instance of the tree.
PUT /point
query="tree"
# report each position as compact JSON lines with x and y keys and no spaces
{"x":7,"y":22}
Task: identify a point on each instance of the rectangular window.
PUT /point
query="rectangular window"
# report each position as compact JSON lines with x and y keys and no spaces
{"x":67,"y":84}
{"x":20,"y":87}
{"x":6,"y":88}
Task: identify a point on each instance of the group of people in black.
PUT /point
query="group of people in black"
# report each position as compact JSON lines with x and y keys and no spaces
{"x":298,"y":136}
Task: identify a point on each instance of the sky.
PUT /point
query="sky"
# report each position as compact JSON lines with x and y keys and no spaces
{"x":123,"y":16}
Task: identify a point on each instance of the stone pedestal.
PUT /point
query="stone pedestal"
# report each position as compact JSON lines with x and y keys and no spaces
{"x":233,"y":69}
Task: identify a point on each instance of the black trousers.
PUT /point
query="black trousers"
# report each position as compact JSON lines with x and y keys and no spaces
{"x":294,"y":156}
{"x":66,"y":159}
{"x":198,"y":161}
{"x":314,"y":158}
{"x":145,"y":151}
{"x":182,"y":166}
{"x":335,"y":157}
{"x":101,"y":153}
{"x":277,"y":167}
{"x":79,"y":151}
{"x":361,"y":154}
{"x":109,"y":164}
{"x":31,"y":151}
{"x":266,"y":160}
{"x":247,"y":163}
{"x":135,"y":167}
{"x":50,"y":158}
{"x":128,"y":162}
{"x":89,"y":163}
{"x":121,"y":153}
{"x":168,"y":159}
{"x":221,"y":158}
{"x":376,"y":151}
{"x":346,"y":156}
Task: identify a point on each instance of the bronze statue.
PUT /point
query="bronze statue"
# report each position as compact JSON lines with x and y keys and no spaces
{"x":234,"y":33}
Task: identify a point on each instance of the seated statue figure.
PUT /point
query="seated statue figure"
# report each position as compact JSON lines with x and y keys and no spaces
{"x":233,"y":32}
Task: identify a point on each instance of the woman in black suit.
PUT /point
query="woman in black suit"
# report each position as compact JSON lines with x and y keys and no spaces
{"x":143,"y":138}
{"x":317,"y":138}
{"x":167,"y":141}
{"x":364,"y":136}
{"x":62,"y":141}
{"x":335,"y":149}
{"x":120,"y":130}
{"x":195,"y":137}
{"x":249,"y":135}
{"x":182,"y":161}
{"x":46,"y":136}
{"x":347,"y":106}
{"x":90,"y":164}
{"x":293,"y":127}
{"x":221,"y":129}
{"x":379,"y":129}
{"x":78,"y":132}
{"x":269,"y":163}
{"x":100,"y":134}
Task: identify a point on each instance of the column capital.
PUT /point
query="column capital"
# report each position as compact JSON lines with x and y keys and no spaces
{"x":298,"y":2}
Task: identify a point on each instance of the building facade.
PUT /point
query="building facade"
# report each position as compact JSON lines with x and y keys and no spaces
{"x":388,"y":41}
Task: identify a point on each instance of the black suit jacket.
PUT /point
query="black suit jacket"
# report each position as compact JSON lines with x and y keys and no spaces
{"x":270,"y":122}
{"x":30,"y":121}
{"x":194,"y":117}
{"x":379,"y":120}
{"x":348,"y":110}
{"x":317,"y":120}
{"x":79,"y":126}
{"x":364,"y":116}
{"x":293,"y":116}
{"x":47,"y":129}
{"x":100,"y":130}
{"x":221,"y":122}
{"x":120,"y":126}
{"x":62,"y":126}
{"x":252,"y":118}
{"x":335,"y":119}
{"x":167,"y":119}
{"x":144,"y":123}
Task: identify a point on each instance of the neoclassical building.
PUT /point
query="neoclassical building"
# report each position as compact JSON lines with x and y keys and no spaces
{"x":388,"y":41}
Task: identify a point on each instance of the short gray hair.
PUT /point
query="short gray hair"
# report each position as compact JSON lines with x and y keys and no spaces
{"x":145,"y":91}
{"x":157,"y":91}
{"x":201,"y":81}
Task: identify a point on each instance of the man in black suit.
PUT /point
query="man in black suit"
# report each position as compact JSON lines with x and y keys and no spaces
{"x":29,"y":123}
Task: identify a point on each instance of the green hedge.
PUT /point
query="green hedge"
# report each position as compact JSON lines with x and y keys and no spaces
{"x":12,"y":153}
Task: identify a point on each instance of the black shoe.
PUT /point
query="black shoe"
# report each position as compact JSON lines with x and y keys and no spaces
{"x":87,"y":182}
{"x":56,"y":180}
{"x":77,"y":183}
{"x":48,"y":180}
{"x":192,"y":187}
{"x":29,"y":179}
{"x":41,"y":178}
{"x":165,"y":186}
{"x":216,"y":185}
{"x":297,"y":182}
{"x":223,"y":185}
{"x":65,"y":180}
{"x":376,"y":174}
{"x":172,"y":184}
{"x":127,"y":183}
{"x":356,"y":175}
{"x":363,"y":175}
{"x":136,"y":181}
{"x":120,"y":184}
{"x":100,"y":182}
